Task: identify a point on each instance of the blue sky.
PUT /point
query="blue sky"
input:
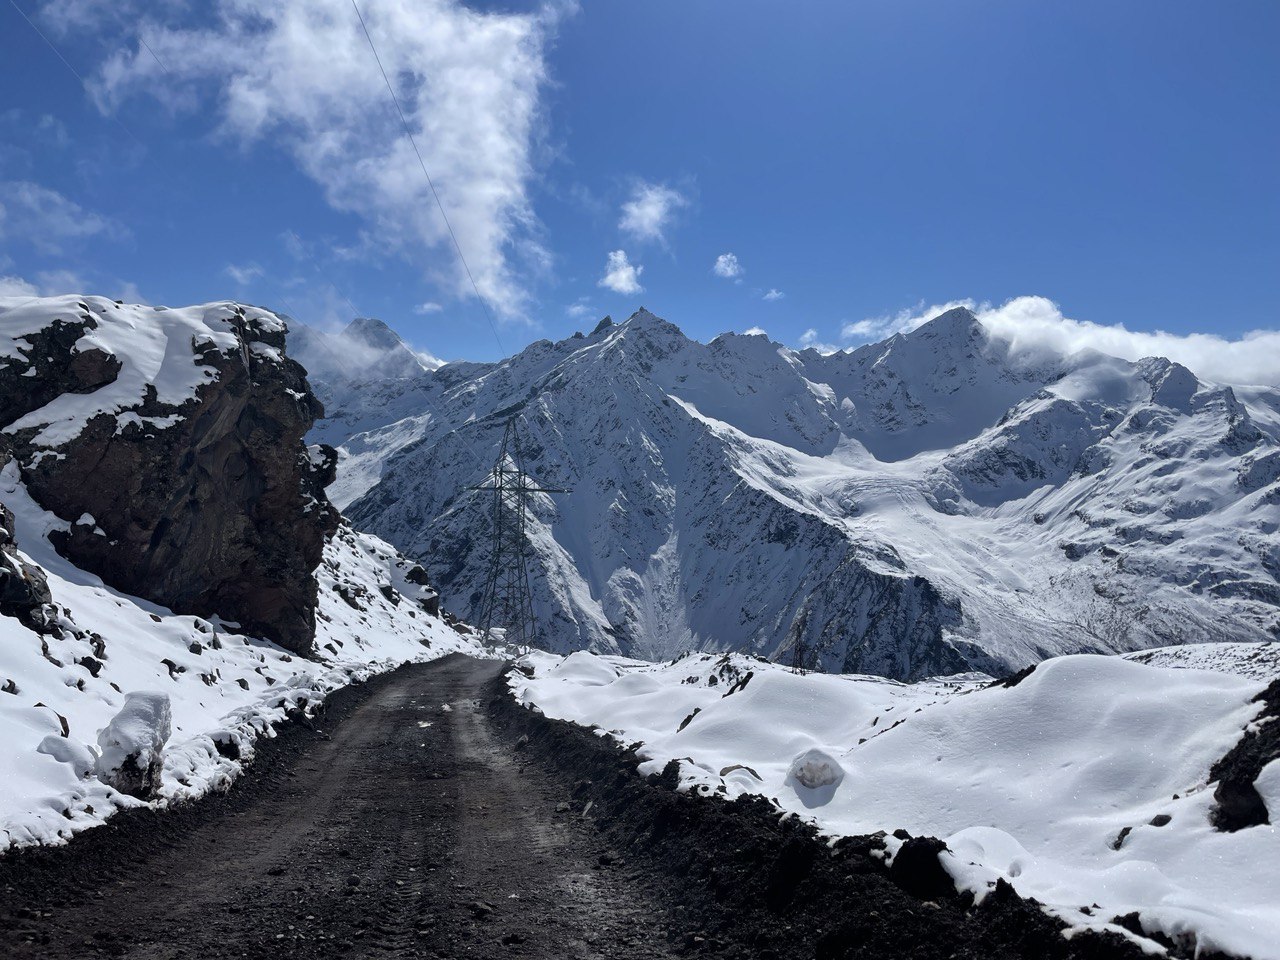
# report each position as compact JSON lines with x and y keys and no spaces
{"x":863,"y":161}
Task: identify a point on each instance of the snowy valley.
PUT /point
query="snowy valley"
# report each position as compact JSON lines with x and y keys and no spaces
{"x":922,"y":515}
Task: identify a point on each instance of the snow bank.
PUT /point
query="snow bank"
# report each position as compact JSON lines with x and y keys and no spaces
{"x":66,"y":707}
{"x":1084,"y":784}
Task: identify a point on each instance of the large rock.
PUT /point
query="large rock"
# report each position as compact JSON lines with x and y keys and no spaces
{"x":24,"y":591}
{"x":131,"y":746}
{"x":170,"y":441}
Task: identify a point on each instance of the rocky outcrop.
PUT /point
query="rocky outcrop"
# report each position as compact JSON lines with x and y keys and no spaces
{"x":24,"y":591}
{"x":181,"y":474}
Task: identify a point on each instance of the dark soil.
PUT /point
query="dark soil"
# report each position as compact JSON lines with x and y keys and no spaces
{"x":388,"y":826}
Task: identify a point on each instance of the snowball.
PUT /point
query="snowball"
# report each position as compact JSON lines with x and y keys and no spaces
{"x":131,"y":744}
{"x":816,"y":768}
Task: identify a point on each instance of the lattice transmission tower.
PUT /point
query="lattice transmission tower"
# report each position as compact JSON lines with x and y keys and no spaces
{"x":507,"y":603}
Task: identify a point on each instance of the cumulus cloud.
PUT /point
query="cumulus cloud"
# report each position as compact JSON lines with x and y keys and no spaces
{"x":621,"y":275}
{"x":46,"y":219}
{"x":299,"y":76}
{"x":727,"y":266}
{"x":649,"y":211}
{"x":1037,"y":325}
{"x":773,"y":294}
{"x":755,"y":332}
{"x":424,"y":309}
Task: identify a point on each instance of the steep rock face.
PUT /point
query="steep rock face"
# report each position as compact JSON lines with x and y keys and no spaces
{"x":24,"y":589}
{"x":170,"y":442}
{"x":932,"y":503}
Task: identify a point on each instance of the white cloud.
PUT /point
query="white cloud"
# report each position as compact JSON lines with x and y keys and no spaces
{"x":128,"y":291}
{"x":773,"y":294}
{"x":243,"y":275}
{"x":53,"y":283}
{"x":810,"y":340}
{"x":299,"y":75}
{"x":580,"y":308}
{"x":727,"y":266}
{"x":423,"y":309}
{"x":755,"y":332}
{"x":870,"y":329}
{"x":45,"y":218}
{"x":1036,"y":324}
{"x":647,"y":214}
{"x":621,"y":275}
{"x":17,"y":287}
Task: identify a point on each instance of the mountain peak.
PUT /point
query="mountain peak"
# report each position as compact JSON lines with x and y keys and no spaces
{"x":374,"y":332}
{"x":956,"y":324}
{"x":642,"y":319}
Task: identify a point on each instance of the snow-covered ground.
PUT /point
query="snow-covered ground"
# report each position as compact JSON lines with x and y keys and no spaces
{"x":1033,"y":783}
{"x":222,"y":688}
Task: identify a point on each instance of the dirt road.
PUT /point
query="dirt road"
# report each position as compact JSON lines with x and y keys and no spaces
{"x":423,"y":816}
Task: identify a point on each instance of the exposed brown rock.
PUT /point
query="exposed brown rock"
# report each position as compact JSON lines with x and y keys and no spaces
{"x":221,"y":513}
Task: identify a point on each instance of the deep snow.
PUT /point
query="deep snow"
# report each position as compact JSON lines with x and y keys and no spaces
{"x":1033,"y":783}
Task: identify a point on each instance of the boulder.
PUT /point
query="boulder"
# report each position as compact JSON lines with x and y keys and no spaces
{"x":24,"y":591}
{"x":131,"y":746}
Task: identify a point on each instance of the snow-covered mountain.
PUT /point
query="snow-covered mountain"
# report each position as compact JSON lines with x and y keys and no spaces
{"x":932,"y":503}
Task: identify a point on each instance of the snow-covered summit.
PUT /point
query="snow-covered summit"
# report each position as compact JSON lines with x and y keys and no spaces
{"x":935,"y":502}
{"x":366,"y":349}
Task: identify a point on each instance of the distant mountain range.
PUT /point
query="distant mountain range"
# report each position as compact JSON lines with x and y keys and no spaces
{"x":932,"y":503}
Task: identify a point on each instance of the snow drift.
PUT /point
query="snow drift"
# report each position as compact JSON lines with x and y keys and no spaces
{"x":1085,"y":784}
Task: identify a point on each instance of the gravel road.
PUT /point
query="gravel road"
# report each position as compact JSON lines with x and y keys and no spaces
{"x":423,"y":814}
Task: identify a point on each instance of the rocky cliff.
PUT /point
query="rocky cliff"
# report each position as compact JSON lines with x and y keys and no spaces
{"x":170,"y":443}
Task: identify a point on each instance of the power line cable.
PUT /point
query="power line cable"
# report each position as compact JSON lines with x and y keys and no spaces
{"x":67,"y":63}
{"x":431,"y":183}
{"x":301,"y":246}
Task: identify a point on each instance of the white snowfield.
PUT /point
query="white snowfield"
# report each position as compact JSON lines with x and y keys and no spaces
{"x":222,"y":688}
{"x":1032,"y":783}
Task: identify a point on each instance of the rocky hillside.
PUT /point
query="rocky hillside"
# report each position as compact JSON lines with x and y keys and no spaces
{"x":929,"y":504}
{"x":170,"y":442}
{"x":166,"y":551}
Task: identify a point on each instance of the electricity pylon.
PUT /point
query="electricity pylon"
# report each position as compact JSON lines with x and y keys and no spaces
{"x":506,"y":602}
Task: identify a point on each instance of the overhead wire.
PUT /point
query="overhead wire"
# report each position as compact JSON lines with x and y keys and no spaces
{"x":298,"y":241}
{"x":74,"y":72}
{"x":404,"y":122}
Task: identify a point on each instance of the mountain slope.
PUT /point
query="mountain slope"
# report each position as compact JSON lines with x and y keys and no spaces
{"x":928,"y":504}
